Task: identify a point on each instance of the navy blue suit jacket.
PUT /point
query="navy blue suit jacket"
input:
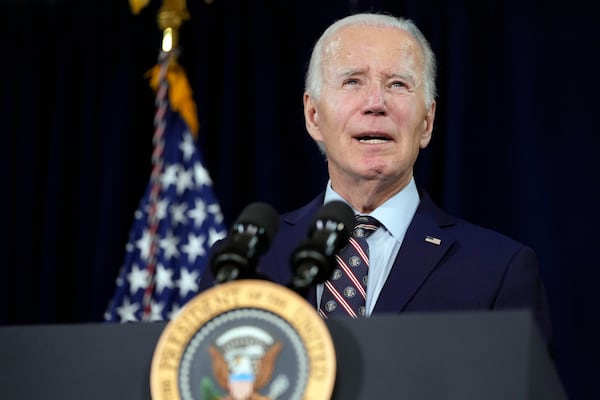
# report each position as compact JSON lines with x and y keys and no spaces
{"x":472,"y":268}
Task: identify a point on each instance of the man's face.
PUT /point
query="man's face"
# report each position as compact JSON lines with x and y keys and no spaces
{"x":370,"y":115}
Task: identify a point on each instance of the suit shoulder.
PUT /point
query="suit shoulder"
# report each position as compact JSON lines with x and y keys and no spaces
{"x":466,"y":230}
{"x":485,"y":237}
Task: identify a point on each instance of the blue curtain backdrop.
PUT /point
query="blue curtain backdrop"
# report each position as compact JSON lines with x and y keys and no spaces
{"x":515,"y":144}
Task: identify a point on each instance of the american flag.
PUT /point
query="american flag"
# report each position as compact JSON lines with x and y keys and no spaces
{"x":177,"y":219}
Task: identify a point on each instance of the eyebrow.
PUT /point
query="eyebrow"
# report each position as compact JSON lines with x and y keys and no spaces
{"x":345,"y":73}
{"x":405,"y":76}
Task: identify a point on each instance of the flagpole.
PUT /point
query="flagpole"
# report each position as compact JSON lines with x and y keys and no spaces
{"x":171,"y":15}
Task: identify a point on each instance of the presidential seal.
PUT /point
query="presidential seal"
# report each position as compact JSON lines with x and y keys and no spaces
{"x":244,"y":340}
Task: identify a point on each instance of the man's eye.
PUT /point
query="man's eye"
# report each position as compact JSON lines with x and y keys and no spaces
{"x":350,"y":82}
{"x":398,"y":84}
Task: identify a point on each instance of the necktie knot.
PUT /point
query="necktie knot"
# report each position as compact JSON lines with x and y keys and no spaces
{"x":364,"y":226}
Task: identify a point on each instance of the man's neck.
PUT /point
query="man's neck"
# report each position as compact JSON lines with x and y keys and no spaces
{"x":366,"y":195}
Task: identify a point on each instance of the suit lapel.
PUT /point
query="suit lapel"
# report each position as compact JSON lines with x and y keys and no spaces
{"x":424,"y":245}
{"x":298,"y":224}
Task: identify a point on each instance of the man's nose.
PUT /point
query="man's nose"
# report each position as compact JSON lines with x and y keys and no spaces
{"x":375,"y":102}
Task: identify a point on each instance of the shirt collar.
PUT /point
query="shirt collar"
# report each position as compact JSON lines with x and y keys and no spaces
{"x":407,"y":200}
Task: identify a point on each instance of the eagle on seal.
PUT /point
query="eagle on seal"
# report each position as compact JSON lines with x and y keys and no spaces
{"x":242,"y":375}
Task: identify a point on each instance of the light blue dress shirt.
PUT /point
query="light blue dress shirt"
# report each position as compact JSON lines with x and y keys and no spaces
{"x":395,"y":216}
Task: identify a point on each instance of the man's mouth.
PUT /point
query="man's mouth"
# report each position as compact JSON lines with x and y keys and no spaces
{"x":373,"y":139}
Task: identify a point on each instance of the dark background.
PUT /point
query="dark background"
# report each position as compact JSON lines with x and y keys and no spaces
{"x":515,"y":143}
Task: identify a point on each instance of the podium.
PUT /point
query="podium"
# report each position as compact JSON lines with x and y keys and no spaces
{"x":450,"y":356}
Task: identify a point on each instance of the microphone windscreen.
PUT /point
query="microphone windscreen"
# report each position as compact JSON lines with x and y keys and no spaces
{"x":339,"y":212}
{"x":261,"y":215}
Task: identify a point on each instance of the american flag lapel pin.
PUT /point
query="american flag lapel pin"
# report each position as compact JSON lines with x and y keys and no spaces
{"x":434,"y":240}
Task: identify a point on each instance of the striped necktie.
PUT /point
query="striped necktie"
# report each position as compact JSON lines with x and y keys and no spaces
{"x":345,"y":292}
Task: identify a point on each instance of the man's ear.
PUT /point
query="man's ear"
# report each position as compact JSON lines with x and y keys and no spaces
{"x":311,"y":117}
{"x":427,"y":126}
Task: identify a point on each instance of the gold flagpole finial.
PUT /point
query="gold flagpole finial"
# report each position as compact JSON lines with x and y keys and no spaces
{"x":171,"y":15}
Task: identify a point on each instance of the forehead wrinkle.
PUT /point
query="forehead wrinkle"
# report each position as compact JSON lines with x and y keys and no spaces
{"x":345,"y":72}
{"x":408,"y":54}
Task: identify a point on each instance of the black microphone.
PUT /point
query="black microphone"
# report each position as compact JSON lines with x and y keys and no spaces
{"x":314,"y":259}
{"x":249,"y":237}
